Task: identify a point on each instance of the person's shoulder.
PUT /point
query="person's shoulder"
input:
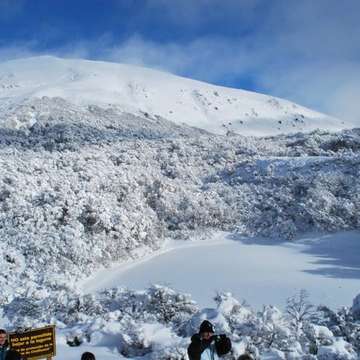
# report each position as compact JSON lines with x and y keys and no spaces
{"x":223,"y":345}
{"x":195,"y":338}
{"x":223,"y":337}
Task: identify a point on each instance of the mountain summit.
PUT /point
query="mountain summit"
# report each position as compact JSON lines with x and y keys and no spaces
{"x":149,"y":94}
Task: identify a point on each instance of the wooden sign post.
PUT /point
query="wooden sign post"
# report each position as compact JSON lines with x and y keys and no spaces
{"x":34,"y":344}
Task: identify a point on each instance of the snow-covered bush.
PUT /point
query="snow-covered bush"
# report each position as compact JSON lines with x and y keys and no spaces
{"x":340,"y":350}
{"x":141,"y":323}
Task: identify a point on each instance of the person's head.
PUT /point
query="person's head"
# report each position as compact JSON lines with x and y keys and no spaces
{"x":3,"y":337}
{"x":245,"y":357}
{"x":206,"y":330}
{"x":88,"y":356}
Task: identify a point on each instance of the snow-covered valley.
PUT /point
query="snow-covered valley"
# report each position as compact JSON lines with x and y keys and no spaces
{"x":98,"y":175}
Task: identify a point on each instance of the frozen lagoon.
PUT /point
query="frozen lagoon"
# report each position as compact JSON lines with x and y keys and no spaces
{"x":257,"y":271}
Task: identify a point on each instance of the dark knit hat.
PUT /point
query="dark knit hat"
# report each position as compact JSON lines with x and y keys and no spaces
{"x":206,"y":326}
{"x":245,"y":357}
{"x":88,"y":356}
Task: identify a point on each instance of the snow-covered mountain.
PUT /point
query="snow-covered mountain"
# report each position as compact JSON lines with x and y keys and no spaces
{"x":149,"y":94}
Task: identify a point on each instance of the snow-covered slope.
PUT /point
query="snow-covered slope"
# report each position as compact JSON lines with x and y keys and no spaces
{"x":150,"y":94}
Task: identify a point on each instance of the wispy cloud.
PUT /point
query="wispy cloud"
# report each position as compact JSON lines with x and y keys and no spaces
{"x":208,"y":58}
{"x":16,"y":51}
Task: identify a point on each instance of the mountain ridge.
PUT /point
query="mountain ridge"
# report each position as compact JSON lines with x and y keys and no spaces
{"x":151,"y":93}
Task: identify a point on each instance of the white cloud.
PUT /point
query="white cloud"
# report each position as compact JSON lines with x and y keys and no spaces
{"x":333,"y":89}
{"x":210,"y":59}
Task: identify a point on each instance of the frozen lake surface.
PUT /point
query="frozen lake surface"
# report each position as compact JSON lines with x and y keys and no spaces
{"x":258,"y":271}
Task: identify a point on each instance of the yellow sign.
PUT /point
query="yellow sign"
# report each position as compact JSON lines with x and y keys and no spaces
{"x":34,"y":344}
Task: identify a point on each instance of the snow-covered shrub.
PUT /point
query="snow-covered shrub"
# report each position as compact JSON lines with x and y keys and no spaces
{"x":340,"y":350}
{"x":342,"y":323}
{"x":299,"y":310}
{"x":138,"y":323}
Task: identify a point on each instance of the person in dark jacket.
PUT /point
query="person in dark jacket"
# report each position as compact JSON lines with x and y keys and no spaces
{"x":206,"y":345}
{"x":5,"y":352}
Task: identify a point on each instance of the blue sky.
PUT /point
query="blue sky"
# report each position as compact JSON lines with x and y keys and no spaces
{"x":307,"y":51}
